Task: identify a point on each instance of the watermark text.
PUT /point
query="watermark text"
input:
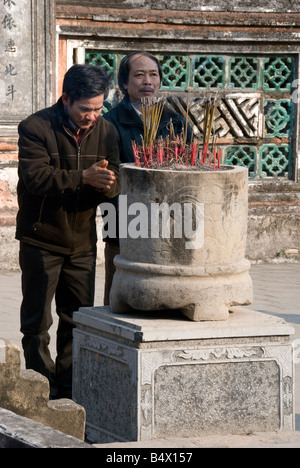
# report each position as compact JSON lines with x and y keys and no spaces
{"x":156,"y":220}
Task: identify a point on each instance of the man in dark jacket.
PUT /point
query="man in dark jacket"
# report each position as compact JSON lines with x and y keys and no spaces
{"x":140,"y":75}
{"x":68,"y":165}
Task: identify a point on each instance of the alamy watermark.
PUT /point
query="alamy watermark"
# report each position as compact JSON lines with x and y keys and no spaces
{"x":156,"y":220}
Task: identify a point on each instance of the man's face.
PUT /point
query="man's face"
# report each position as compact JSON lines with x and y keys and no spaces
{"x":143,"y":80}
{"x":84,"y":112}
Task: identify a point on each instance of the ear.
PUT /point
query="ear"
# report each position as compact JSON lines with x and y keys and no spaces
{"x":65,"y":99}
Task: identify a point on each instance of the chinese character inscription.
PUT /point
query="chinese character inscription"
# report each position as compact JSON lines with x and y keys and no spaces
{"x":26,"y":51}
{"x":9,"y":68}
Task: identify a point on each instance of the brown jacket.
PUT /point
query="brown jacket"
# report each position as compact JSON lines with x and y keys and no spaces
{"x":56,"y":211}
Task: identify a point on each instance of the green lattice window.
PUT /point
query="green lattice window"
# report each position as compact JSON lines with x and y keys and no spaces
{"x":242,"y":155}
{"x":277,"y":74}
{"x":176,"y":72}
{"x":278,"y":117}
{"x":208,"y":72}
{"x":243,"y":72}
{"x":272,"y":74}
{"x":105,"y":60}
{"x":274,"y":160}
{"x":254,"y":120}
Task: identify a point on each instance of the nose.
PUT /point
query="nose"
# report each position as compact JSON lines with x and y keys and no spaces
{"x":147,"y":78}
{"x":91,"y":115}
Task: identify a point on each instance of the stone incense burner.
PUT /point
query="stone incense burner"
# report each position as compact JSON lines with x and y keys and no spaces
{"x":183,"y":241}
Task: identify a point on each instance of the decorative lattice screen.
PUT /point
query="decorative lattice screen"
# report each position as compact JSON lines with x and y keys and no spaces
{"x":254,"y":112}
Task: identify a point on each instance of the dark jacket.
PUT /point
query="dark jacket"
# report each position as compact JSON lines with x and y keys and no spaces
{"x":56,"y":211}
{"x":130,"y":126}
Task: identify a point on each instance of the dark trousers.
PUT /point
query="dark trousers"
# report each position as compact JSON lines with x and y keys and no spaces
{"x":71,"y":280}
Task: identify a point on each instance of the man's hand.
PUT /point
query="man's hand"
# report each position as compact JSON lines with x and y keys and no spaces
{"x":98,"y":176}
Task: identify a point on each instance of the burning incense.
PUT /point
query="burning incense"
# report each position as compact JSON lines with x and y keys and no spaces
{"x":152,"y":112}
{"x":175,"y":151}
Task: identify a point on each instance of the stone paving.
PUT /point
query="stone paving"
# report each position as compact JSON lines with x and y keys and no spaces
{"x":276,"y":291}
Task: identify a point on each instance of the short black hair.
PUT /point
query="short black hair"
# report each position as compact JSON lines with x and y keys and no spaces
{"x":124,"y":68}
{"x":85,"y":81}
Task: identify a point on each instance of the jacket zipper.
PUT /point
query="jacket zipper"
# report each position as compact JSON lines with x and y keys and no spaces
{"x":41,"y":209}
{"x":78,"y":168}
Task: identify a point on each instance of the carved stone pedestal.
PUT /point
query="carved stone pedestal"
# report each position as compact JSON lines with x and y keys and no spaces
{"x":159,"y":375}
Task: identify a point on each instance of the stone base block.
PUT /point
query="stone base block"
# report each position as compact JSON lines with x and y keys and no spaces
{"x":159,"y":375}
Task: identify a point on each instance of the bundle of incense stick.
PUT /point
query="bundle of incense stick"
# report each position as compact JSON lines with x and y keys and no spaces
{"x":175,"y":150}
{"x":152,"y":111}
{"x":209,"y":112}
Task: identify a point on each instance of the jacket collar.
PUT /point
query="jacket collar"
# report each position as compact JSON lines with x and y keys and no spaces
{"x":127,"y":114}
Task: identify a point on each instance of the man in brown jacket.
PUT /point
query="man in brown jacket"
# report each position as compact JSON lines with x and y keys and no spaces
{"x":68,"y":165}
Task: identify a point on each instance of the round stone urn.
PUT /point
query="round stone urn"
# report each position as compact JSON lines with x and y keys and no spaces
{"x":182,"y":242}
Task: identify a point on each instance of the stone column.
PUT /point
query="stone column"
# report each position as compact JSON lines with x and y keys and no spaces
{"x":26,"y":59}
{"x":27,"y":51}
